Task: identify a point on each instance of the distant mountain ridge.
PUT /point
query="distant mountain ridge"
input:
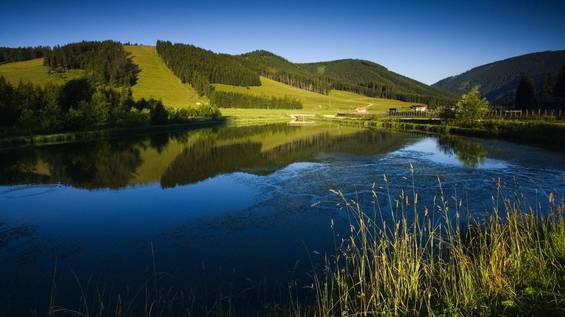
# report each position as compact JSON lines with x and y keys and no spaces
{"x":499,"y":80}
{"x":355,"y":75}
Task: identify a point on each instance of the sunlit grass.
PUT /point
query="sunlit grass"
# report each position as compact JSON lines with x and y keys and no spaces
{"x":156,"y":80}
{"x":511,"y":262}
{"x":35,"y":72}
{"x":334,"y":102}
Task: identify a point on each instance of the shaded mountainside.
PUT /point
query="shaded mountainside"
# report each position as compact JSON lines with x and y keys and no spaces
{"x":371,"y":79}
{"x":499,"y":80}
{"x":359,"y":76}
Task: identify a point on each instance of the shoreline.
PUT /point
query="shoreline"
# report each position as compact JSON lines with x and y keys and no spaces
{"x":19,"y":141}
{"x":540,"y":133}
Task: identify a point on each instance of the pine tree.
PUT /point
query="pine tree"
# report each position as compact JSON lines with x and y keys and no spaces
{"x":546,"y":89}
{"x":559,"y":89}
{"x":525,"y":94}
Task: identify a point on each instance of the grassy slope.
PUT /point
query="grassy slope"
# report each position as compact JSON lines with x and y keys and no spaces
{"x":156,"y":80}
{"x":34,"y":71}
{"x":336,"y":101}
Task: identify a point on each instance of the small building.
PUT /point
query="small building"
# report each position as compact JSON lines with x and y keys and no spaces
{"x":361,"y":110}
{"x":419,"y":107}
{"x":391,"y":110}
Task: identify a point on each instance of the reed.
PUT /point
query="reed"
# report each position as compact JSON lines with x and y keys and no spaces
{"x":439,"y":262}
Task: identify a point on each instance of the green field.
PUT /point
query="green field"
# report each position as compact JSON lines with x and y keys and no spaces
{"x":157,"y":81}
{"x":34,"y":71}
{"x":336,"y":101}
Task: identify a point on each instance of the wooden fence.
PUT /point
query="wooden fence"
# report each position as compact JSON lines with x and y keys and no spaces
{"x":524,"y":114}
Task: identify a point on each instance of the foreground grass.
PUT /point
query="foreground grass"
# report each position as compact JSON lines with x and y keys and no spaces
{"x":35,"y":72}
{"x":156,"y":80}
{"x":511,"y":262}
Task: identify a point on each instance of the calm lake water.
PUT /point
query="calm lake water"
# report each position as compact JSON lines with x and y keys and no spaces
{"x":243,"y":210}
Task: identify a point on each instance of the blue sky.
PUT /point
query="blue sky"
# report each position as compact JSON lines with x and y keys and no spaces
{"x":423,"y":40}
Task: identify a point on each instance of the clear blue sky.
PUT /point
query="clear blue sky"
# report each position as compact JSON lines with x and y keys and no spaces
{"x":425,"y":41}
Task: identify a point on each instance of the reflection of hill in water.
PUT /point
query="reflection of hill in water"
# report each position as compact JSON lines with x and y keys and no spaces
{"x":185,"y":157}
{"x":213,"y":160}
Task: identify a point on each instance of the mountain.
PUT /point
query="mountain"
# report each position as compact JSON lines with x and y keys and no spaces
{"x":369,"y":78}
{"x":499,"y":80}
{"x":359,"y":76}
{"x":199,"y":70}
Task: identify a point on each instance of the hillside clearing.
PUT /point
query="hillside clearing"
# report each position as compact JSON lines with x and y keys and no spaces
{"x":155,"y":80}
{"x":35,"y":72}
{"x":336,"y":101}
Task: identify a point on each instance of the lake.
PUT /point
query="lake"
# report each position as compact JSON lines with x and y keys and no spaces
{"x":238,"y":211}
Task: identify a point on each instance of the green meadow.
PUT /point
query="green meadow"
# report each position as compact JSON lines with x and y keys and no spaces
{"x":34,"y":71}
{"x":155,"y":80}
{"x":335,"y":101}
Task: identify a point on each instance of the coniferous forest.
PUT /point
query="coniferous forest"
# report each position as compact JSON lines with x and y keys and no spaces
{"x":200,"y":67}
{"x":236,"y":100}
{"x":17,"y":54}
{"x":106,"y":62}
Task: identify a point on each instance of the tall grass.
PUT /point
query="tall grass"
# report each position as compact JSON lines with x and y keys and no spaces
{"x":509,"y":262}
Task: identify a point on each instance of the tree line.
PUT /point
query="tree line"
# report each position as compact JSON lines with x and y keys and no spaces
{"x":17,"y":54}
{"x":314,"y":84}
{"x":237,"y":100}
{"x":80,"y":104}
{"x":105,"y":62}
{"x":200,"y":67}
{"x":550,"y":95}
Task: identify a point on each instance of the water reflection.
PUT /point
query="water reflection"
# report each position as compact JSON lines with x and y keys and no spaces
{"x":182,"y":158}
{"x":470,"y":154}
{"x":452,"y":150}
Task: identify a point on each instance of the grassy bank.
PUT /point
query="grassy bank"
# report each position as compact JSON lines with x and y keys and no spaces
{"x":536,"y":132}
{"x":511,"y":262}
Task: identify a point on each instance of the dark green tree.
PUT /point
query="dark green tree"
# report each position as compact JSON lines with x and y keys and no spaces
{"x":9,"y":110}
{"x":559,"y":89}
{"x":525,"y":94}
{"x":546,"y":89}
{"x":159,"y":115}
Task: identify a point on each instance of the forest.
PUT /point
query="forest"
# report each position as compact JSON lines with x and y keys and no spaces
{"x":80,"y":105}
{"x":237,"y":100}
{"x":17,"y":54}
{"x":106,"y":62}
{"x":551,"y":92}
{"x":200,"y":67}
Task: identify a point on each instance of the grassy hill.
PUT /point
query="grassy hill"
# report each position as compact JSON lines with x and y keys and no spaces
{"x":156,"y":80}
{"x":500,"y":79}
{"x":336,"y":100}
{"x":34,"y":71}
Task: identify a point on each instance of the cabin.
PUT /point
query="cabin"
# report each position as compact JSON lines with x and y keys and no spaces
{"x":391,"y":110}
{"x":419,"y":108}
